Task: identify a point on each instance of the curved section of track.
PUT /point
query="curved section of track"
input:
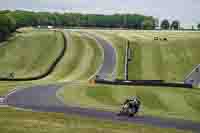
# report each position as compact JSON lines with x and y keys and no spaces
{"x":43,"y":98}
{"x":108,"y":67}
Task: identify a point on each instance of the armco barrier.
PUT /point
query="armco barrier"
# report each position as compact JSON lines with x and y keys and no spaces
{"x":62,"y":53}
{"x":143,"y":83}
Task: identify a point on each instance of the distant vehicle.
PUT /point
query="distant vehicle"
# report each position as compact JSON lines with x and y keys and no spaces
{"x":130,"y":107}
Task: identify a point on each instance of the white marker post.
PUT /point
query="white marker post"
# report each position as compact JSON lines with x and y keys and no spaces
{"x":127,"y":59}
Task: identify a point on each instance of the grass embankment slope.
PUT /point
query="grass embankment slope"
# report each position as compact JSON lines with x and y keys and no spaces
{"x":148,"y":63}
{"x":81,"y":61}
{"x":32,"y":122}
{"x":30,"y":53}
{"x":169,"y":60}
{"x":156,"y":101}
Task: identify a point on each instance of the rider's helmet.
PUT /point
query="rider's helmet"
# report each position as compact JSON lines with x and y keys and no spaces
{"x":134,"y":100}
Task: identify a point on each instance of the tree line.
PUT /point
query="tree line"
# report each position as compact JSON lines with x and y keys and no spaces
{"x":165,"y":24}
{"x":11,"y":20}
{"x":198,"y":26}
{"x":27,"y":18}
{"x":7,"y":25}
{"x":175,"y":25}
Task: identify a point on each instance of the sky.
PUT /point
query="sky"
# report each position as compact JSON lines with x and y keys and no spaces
{"x":186,"y":11}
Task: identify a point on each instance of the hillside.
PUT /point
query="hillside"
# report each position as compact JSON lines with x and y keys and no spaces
{"x":30,"y":53}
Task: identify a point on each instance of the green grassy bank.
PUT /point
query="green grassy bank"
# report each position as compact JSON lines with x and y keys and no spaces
{"x":156,"y":101}
{"x":32,"y":122}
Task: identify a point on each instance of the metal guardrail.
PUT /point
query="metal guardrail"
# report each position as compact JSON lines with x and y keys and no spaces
{"x":156,"y":83}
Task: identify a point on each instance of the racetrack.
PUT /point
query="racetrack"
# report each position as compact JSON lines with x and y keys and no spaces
{"x":43,"y":98}
{"x":109,"y":61}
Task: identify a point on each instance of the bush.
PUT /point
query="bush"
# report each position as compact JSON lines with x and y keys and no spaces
{"x":175,"y":25}
{"x":7,"y":25}
{"x":198,"y":26}
{"x":165,"y":24}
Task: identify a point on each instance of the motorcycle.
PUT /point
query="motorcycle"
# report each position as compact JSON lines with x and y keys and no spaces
{"x":127,"y":111}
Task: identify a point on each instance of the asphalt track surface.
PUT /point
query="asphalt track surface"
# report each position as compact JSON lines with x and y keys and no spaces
{"x":109,"y":61}
{"x":44,"y":99}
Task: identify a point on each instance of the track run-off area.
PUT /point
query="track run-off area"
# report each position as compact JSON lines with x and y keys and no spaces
{"x":44,"y":98}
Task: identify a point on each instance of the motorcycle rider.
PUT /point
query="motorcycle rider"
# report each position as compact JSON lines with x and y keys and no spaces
{"x":133,"y":103}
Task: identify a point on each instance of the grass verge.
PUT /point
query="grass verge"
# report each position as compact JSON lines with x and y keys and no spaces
{"x":32,"y":122}
{"x":156,"y":101}
{"x":169,"y":60}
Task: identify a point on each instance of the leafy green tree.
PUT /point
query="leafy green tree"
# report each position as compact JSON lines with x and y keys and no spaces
{"x":148,"y":24}
{"x":59,"y":19}
{"x":42,"y":19}
{"x":135,"y":21}
{"x":156,"y":22}
{"x":175,"y":25}
{"x":11,"y":23}
{"x":28,"y":18}
{"x":165,"y":24}
{"x":7,"y":25}
{"x":4,"y":24}
{"x":198,"y":26}
{"x":192,"y":27}
{"x":72,"y":19}
{"x":4,"y":11}
{"x":24,"y":18}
